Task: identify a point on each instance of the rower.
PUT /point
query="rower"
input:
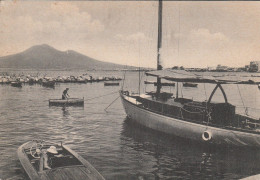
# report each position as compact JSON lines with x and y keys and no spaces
{"x":65,"y":94}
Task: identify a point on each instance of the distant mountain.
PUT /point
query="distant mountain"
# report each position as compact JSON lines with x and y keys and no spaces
{"x":47,"y":57}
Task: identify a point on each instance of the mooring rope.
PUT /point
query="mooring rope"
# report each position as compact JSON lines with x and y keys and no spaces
{"x":100,"y":96}
{"x":111,"y":103}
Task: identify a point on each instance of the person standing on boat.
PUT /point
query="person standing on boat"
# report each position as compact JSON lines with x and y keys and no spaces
{"x":65,"y":94}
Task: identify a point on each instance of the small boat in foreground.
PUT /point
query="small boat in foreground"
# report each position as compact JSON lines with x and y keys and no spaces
{"x":111,"y":83}
{"x":67,"y":102}
{"x":67,"y":165}
{"x":254,"y":177}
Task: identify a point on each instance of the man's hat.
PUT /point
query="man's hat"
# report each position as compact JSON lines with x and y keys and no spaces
{"x":52,"y":150}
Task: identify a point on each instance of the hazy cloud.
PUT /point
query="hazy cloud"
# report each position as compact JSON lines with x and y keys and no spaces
{"x":138,"y":37}
{"x":194,"y":33}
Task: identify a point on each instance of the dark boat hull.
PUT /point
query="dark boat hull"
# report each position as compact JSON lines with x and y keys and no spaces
{"x":50,"y":84}
{"x":190,"y":85}
{"x":111,"y":83}
{"x":66,"y":102}
{"x":16,"y":84}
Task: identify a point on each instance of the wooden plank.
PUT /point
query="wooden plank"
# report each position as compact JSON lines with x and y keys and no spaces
{"x":76,"y":173}
{"x":86,"y":164}
{"x":91,"y":175}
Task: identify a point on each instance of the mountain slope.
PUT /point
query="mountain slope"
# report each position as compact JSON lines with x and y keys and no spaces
{"x":46,"y":57}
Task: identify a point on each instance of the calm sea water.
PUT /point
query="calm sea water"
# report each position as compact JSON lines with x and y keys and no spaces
{"x":116,"y":147}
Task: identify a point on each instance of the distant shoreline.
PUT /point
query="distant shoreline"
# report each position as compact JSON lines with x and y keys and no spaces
{"x":72,"y":69}
{"x":111,"y":70}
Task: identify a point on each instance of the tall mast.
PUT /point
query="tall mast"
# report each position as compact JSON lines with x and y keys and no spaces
{"x":159,"y":45}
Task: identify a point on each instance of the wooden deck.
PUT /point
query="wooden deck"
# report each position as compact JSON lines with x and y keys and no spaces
{"x":69,"y":173}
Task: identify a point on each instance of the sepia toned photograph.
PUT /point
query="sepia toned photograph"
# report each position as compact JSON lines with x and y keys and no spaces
{"x":129,"y":90}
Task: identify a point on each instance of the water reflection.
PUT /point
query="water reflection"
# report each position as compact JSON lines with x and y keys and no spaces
{"x":65,"y":111}
{"x":168,"y":157}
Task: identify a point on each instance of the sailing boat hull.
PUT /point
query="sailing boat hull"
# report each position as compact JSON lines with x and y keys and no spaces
{"x":184,"y":129}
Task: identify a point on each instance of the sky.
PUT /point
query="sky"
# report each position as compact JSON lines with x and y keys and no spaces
{"x":195,"y":34}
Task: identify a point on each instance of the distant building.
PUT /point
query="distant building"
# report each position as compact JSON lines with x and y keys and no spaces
{"x":221,"y":68}
{"x":211,"y":68}
{"x":254,"y":66}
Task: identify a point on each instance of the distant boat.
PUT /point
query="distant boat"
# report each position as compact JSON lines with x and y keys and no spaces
{"x":50,"y":84}
{"x":16,"y":84}
{"x":149,"y":82}
{"x":111,"y":83}
{"x":165,"y":84}
{"x":162,"y":83}
{"x":66,"y":102}
{"x":190,"y":85}
{"x":67,"y":165}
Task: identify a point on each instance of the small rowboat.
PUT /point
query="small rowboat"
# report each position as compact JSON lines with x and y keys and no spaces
{"x":67,"y":165}
{"x":67,"y":102}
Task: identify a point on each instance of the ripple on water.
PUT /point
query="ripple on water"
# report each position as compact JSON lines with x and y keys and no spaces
{"x":115,"y":147}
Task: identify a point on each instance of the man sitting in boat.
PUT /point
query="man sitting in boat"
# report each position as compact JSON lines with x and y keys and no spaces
{"x":46,"y":155}
{"x":65,"y":94}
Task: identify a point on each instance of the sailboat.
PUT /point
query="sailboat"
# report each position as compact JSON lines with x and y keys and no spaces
{"x":207,"y":121}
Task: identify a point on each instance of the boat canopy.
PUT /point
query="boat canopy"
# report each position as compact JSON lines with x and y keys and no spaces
{"x":185,"y":76}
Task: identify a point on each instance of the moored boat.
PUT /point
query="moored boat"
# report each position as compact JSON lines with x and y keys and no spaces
{"x":206,"y":121}
{"x":67,"y":102}
{"x":111,"y":83}
{"x":50,"y":84}
{"x":190,"y":85}
{"x":16,"y":84}
{"x":67,"y":164}
{"x":162,"y":83}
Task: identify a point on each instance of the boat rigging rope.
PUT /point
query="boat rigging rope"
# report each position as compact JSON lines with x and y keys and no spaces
{"x":246,"y":109}
{"x":123,"y":81}
{"x":111,"y":103}
{"x":101,"y":96}
{"x":145,"y":84}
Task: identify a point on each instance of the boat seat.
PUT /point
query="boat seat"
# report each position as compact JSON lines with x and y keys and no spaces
{"x":60,"y":161}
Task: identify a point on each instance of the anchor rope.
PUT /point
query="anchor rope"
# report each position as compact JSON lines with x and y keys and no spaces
{"x":112,"y":103}
{"x":100,"y":96}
